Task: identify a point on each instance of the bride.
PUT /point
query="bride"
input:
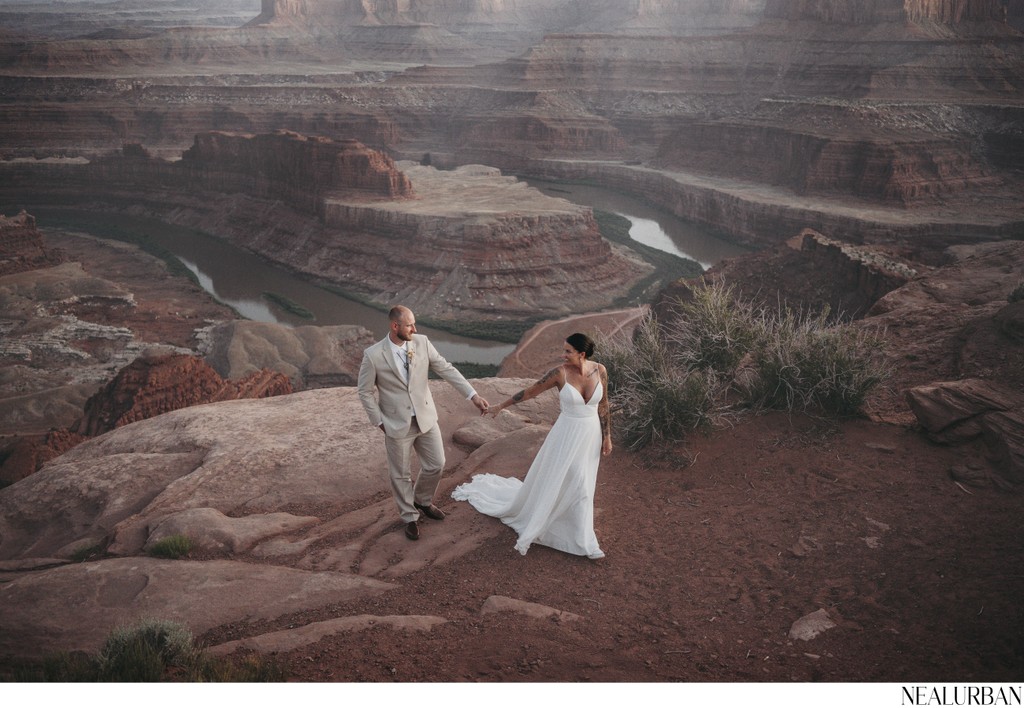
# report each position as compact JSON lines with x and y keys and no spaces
{"x":554,"y":505}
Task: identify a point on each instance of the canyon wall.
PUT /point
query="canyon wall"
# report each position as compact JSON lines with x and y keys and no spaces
{"x":299,"y":170}
{"x":283,"y":166}
{"x":758,"y":217}
{"x":519,"y":16}
{"x":830,"y":111}
{"x":886,"y":169}
{"x":885,"y":11}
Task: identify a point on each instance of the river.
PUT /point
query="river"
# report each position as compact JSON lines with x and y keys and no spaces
{"x":239,"y":278}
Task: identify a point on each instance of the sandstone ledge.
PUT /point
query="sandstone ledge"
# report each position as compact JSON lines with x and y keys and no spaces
{"x":759,"y":215}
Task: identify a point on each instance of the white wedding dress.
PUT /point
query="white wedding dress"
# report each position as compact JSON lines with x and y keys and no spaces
{"x":554,"y":505}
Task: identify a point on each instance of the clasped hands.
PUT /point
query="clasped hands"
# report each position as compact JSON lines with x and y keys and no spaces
{"x":481,"y":403}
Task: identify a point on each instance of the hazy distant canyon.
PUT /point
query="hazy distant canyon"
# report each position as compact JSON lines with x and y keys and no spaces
{"x":891,"y":121}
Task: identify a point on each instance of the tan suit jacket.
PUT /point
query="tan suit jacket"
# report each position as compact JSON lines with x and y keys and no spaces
{"x":389,"y":400}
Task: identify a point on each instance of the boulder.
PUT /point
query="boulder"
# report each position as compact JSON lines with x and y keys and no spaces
{"x":950,"y":411}
{"x":955,"y":412}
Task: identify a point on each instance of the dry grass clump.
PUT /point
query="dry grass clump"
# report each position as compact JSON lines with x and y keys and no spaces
{"x":675,"y":377}
{"x":148,"y":652}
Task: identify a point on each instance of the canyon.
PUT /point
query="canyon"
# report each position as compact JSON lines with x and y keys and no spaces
{"x":869,"y":154}
{"x":466,"y":244}
{"x":887,"y":121}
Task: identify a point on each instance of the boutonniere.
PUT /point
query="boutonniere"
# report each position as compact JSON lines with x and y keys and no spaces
{"x":409,"y":354}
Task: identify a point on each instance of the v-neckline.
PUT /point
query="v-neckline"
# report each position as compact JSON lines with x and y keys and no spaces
{"x":582,"y":397}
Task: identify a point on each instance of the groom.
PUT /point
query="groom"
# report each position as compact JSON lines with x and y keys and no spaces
{"x":403,"y":408}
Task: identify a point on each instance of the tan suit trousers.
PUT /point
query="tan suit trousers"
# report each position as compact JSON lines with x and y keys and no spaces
{"x":429,"y":447}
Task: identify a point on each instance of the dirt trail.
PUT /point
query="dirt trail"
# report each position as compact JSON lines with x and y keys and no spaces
{"x":539,"y":349}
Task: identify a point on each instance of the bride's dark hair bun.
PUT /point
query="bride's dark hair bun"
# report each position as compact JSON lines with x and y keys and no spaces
{"x":581,"y":343}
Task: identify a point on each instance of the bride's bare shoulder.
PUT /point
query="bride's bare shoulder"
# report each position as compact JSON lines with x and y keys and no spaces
{"x":556,"y":375}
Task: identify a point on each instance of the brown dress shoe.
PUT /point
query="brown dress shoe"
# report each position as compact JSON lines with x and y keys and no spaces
{"x":431,"y":511}
{"x":412,"y":531}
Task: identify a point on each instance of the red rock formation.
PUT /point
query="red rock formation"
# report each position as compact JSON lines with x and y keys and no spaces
{"x":903,"y":104}
{"x":28,"y":454}
{"x":157,"y":384}
{"x":954,"y":412}
{"x":22,"y":247}
{"x":297,"y":169}
{"x":759,"y":222}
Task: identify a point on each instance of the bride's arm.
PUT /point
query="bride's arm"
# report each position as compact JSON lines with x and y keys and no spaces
{"x":549,"y":380}
{"x":604,"y":413}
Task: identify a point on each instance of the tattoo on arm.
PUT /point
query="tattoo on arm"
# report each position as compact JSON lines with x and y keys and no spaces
{"x":518,"y":396}
{"x":603,"y":407}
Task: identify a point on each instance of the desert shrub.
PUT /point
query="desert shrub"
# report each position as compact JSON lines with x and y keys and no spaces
{"x":714,"y":330}
{"x":639,"y":358}
{"x":150,"y":651}
{"x":804,"y":363}
{"x":144,"y":651}
{"x":658,"y":396}
{"x":1017,"y":294}
{"x":667,"y":406}
{"x":669,"y":380}
{"x":172,"y":547}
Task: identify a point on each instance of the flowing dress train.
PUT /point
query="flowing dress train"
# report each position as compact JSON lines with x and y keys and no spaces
{"x":554,"y":505}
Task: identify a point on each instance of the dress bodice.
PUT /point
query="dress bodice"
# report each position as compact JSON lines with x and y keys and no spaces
{"x":572,"y":403}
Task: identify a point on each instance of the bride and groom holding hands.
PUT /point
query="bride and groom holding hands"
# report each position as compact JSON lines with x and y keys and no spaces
{"x":554,"y":505}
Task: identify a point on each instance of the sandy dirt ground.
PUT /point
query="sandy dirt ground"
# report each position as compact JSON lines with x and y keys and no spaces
{"x":714,"y":549}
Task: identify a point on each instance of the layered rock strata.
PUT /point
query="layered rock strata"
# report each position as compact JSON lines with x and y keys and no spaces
{"x":879,"y":11}
{"x":156,"y":383}
{"x":909,"y":105}
{"x":758,"y":215}
{"x":465,"y":243}
{"x":810,"y":272}
{"x":298,"y":170}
